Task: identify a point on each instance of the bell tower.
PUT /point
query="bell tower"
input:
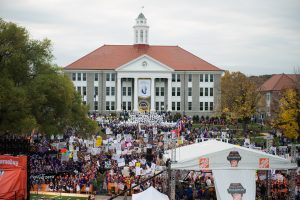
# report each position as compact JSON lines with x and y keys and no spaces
{"x":141,"y":30}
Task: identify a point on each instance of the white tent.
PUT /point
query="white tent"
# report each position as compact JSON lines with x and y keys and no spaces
{"x":150,"y":194}
{"x":233,"y":167}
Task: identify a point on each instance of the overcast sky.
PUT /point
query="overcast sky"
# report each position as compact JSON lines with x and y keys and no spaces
{"x":253,"y":36}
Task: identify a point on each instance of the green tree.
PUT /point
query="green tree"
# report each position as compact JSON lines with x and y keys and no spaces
{"x":33,"y":92}
{"x":238,"y":97}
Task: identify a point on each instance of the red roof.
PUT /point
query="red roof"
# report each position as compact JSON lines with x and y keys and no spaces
{"x":280,"y":82}
{"x":114,"y":56}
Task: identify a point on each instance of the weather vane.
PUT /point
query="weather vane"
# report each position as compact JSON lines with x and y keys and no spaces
{"x":142,"y":9}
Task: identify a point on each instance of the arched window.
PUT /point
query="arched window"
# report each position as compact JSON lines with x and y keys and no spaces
{"x":141,"y":36}
{"x":146,"y":36}
{"x":136,"y":36}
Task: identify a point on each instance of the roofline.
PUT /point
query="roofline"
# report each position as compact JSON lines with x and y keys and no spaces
{"x":85,"y":69}
{"x":199,"y":58}
{"x":84,"y":56}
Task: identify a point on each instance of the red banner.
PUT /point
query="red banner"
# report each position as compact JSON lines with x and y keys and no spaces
{"x":13,"y":177}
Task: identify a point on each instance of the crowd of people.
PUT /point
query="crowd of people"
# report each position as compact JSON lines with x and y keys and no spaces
{"x":130,"y":151}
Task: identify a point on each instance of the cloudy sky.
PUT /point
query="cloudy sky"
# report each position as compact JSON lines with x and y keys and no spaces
{"x":254,"y":36}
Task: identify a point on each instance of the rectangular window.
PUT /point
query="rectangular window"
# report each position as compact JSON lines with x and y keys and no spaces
{"x":206,"y":92}
{"x":129,"y":91}
{"x":96,"y":77}
{"x":178,"y":105}
{"x":107,"y":91}
{"x":201,"y":92}
{"x":211,"y":106}
{"x":107,"y":105}
{"x":124,"y":105}
{"x":96,"y":105}
{"x":73,"y":76}
{"x":211,"y":92}
{"x":108,"y":77}
{"x":79,"y":90}
{"x":112,"y":91}
{"x":157,"y":91}
{"x":129,"y":105}
{"x":162,"y":105}
{"x":206,"y":105}
{"x":96,"y":91}
{"x":78,"y":76}
{"x":178,"y":91}
{"x":268,"y":96}
{"x":84,"y":90}
{"x":206,"y":77}
{"x":84,"y":76}
{"x":201,"y":77}
{"x":173,"y":105}
{"x":112,"y":106}
{"x":162,"y":91}
{"x":113,"y":77}
{"x":124,"y":91}
{"x":189,"y":105}
{"x":157,"y":105}
{"x":178,"y":77}
{"x":173,"y":77}
{"x":201,"y":106}
{"x":211,"y":78}
{"x":173,"y":91}
{"x":190,"y":77}
{"x":189,"y":91}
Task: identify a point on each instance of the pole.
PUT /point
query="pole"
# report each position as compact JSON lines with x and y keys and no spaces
{"x":293,"y":174}
{"x":269,"y":197}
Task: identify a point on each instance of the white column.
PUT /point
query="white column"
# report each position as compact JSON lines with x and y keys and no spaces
{"x":152,"y":94}
{"x":135,"y":96}
{"x":169,"y":94}
{"x":119,"y":95}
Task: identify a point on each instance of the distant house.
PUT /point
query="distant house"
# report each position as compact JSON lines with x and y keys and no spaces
{"x":272,"y":90}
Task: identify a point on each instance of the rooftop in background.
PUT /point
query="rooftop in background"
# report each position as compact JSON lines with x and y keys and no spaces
{"x":280,"y":82}
{"x":110,"y":57}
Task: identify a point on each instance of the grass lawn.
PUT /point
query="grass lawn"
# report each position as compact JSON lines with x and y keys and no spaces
{"x":40,"y":196}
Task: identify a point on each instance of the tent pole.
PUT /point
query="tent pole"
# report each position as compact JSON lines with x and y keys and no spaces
{"x":293,"y":174}
{"x":269,"y":182}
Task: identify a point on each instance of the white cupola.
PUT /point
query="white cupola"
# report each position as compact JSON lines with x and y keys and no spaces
{"x":141,"y":30}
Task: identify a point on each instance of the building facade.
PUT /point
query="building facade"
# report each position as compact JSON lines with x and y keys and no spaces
{"x":272,"y":90}
{"x":143,"y":77}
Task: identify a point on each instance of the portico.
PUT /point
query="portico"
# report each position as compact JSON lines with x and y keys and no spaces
{"x":142,"y":76}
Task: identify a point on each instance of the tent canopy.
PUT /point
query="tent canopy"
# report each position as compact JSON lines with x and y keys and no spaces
{"x":216,"y":155}
{"x":150,"y":194}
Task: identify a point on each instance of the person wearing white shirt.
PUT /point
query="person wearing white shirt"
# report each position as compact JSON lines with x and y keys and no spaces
{"x":208,"y":182}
